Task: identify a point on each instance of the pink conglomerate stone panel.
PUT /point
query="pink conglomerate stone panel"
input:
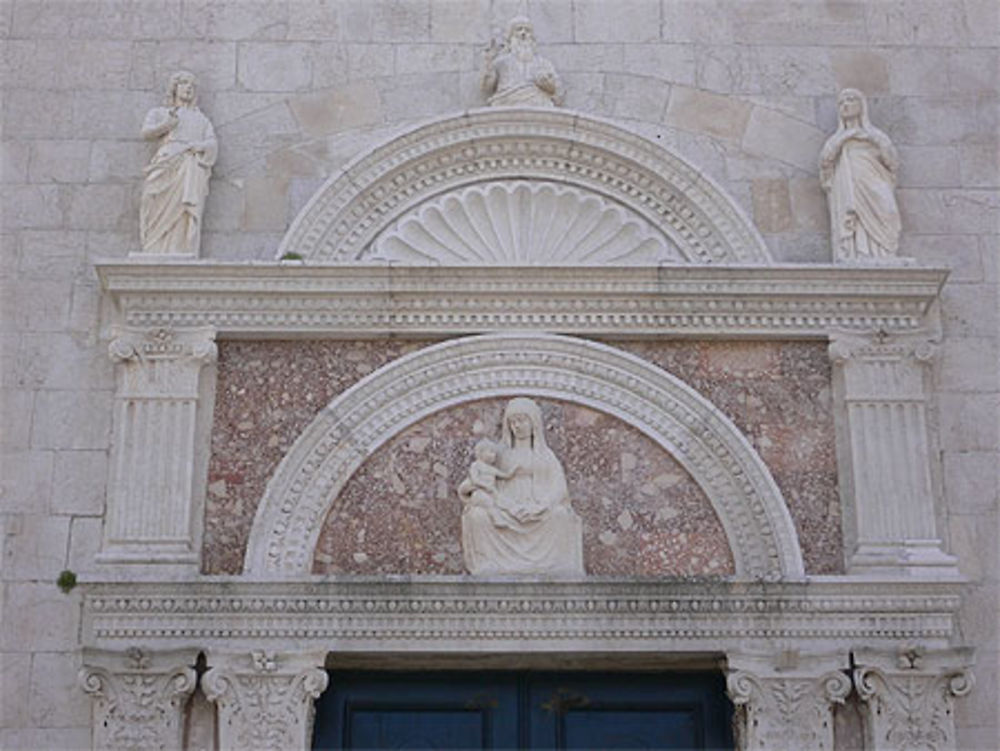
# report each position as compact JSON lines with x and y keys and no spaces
{"x":267,"y":392}
{"x":778,"y":394}
{"x":642,"y":513}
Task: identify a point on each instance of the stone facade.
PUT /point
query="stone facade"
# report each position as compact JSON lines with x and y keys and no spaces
{"x":713,"y":110}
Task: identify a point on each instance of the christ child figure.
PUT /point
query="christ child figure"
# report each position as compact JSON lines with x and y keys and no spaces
{"x":480,"y":488}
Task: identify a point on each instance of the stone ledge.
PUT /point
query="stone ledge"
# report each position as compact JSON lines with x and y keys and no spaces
{"x":270,"y":299}
{"x":461,"y":614}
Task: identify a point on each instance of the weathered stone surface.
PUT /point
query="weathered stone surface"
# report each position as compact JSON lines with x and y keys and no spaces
{"x":772,"y":206}
{"x":700,"y":111}
{"x":339,"y":109}
{"x":36,"y":547}
{"x":744,"y":89}
{"x":53,"y":697}
{"x":772,"y":134}
{"x":38,"y":617}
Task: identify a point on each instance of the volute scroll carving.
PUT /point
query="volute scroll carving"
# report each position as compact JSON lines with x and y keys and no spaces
{"x":785,"y":702}
{"x":265,"y":699}
{"x":909,"y":696}
{"x":138,"y":697}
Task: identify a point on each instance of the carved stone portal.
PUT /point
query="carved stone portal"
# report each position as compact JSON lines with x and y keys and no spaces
{"x":517,"y":517}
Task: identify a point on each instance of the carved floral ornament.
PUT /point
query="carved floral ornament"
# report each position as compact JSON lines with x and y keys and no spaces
{"x":702,"y":439}
{"x":784,"y":699}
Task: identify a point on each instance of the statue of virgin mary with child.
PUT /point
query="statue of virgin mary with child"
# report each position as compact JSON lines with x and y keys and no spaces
{"x":516,"y":516}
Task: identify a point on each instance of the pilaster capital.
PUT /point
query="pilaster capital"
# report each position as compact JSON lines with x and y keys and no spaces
{"x":138,"y":696}
{"x":879,"y":345}
{"x":161,"y":362}
{"x":784,"y":701}
{"x":909,"y":695}
{"x":265,"y":699}
{"x":162,"y":343}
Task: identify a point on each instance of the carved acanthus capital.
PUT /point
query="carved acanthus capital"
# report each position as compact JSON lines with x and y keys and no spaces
{"x":265,"y":700}
{"x":138,"y":696}
{"x":785,"y":701}
{"x":909,"y":696}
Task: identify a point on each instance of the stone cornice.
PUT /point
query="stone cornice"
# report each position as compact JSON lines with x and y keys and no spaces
{"x":282,"y":299}
{"x":464,"y":615}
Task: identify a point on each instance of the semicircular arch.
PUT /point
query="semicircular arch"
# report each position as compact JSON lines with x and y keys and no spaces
{"x":339,"y":223}
{"x":720,"y":459}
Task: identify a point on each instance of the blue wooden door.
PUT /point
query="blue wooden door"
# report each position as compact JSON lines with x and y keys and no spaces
{"x":508,"y":710}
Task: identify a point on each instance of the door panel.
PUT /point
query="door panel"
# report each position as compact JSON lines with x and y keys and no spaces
{"x":500,"y":709}
{"x":446,"y":710}
{"x":621,"y":711}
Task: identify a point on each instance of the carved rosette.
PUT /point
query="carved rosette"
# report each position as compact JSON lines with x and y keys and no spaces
{"x":155,"y":463}
{"x":909,"y":697}
{"x":880,"y":385}
{"x":786,"y":702}
{"x":139,"y":697}
{"x":265,"y":700}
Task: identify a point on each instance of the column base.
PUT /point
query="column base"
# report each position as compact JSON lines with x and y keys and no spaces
{"x":908,"y":558}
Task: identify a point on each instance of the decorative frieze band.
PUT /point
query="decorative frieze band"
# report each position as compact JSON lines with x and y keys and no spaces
{"x":463,"y":615}
{"x":784,"y":702}
{"x":909,"y":695}
{"x":366,"y":301}
{"x":162,"y":402}
{"x":265,"y":699}
{"x":139,"y":697}
{"x":880,"y":383}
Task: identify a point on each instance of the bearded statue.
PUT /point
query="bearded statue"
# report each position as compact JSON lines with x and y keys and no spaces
{"x":515,"y":75}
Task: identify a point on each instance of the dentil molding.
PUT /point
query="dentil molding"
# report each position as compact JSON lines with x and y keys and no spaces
{"x":528,"y":615}
{"x":595,"y":156}
{"x":289,"y":299}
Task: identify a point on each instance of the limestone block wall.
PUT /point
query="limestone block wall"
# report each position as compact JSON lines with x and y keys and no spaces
{"x":744,"y":88}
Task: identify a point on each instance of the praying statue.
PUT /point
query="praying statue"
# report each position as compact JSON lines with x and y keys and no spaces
{"x":515,"y":75}
{"x":517,"y":517}
{"x":176,"y":184}
{"x":857,"y":169}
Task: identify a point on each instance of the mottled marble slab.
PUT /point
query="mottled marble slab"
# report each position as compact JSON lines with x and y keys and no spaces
{"x":643,"y":515}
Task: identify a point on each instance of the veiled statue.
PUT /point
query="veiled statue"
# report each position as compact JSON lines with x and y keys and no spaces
{"x":515,"y":75}
{"x":176,"y":184}
{"x":517,"y":517}
{"x":857,"y":169}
